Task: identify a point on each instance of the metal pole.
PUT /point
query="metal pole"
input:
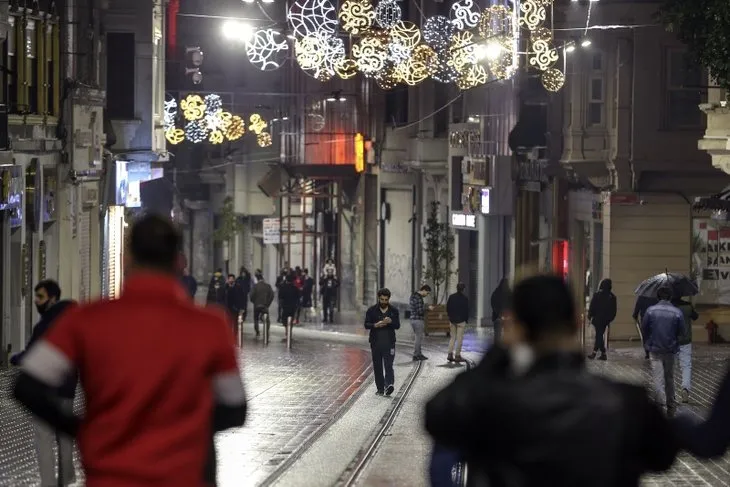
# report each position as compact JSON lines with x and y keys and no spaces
{"x":265,"y":323}
{"x":288,"y":333}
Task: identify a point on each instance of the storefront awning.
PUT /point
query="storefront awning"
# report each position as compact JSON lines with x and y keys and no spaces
{"x":716,"y":202}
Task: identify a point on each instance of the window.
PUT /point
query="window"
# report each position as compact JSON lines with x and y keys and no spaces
{"x":12,"y":65}
{"x":596,"y":92}
{"x":120,"y":74}
{"x":396,"y":107}
{"x":685,"y":91}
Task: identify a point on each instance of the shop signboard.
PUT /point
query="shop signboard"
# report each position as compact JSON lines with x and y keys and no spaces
{"x":138,"y":173}
{"x":271,"y":231}
{"x":120,"y":183}
{"x":485,"y":201}
{"x":711,"y":261}
{"x":463,"y":221}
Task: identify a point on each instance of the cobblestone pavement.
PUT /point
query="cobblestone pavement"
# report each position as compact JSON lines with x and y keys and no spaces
{"x":292,"y":394}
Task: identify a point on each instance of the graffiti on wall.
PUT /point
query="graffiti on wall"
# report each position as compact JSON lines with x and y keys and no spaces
{"x":398,"y":268}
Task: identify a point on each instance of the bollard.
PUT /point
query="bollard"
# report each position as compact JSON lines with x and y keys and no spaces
{"x":239,"y":329}
{"x":288,"y":333}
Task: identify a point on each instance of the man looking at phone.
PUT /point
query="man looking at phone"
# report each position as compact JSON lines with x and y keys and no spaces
{"x":382,"y":320}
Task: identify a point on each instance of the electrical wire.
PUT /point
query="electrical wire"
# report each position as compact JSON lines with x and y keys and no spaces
{"x":606,"y":27}
{"x":229,"y":163}
{"x":588,"y":18}
{"x":430,"y":114}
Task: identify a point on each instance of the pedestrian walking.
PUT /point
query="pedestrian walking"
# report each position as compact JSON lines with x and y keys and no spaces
{"x":50,"y":307}
{"x":262,"y":295}
{"x":217,"y":289}
{"x":328,"y":289}
{"x":527,"y":413}
{"x":188,"y":281}
{"x":159,"y":374}
{"x":244,"y":284}
{"x":601,"y":312}
{"x":662,"y":327}
{"x":642,"y":304}
{"x":382,"y":320}
{"x":418,"y":313}
{"x":457,"y":309}
{"x":685,"y":345}
{"x":280,"y":280}
{"x":289,"y":301}
{"x":307,"y":291}
{"x":499,"y":301}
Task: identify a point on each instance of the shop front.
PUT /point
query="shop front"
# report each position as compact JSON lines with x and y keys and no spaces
{"x":15,"y":275}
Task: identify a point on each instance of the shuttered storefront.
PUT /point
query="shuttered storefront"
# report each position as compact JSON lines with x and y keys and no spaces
{"x":84,"y":239}
{"x":473,"y":285}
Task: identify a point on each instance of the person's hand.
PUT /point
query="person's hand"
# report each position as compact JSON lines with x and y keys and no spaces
{"x":380,"y":324}
{"x":430,"y":308}
{"x":387,"y":321}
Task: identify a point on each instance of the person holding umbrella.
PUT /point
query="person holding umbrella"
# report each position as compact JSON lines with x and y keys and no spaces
{"x":685,"y":344}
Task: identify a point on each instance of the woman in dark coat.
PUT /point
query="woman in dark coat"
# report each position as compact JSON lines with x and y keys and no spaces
{"x":601,"y":312}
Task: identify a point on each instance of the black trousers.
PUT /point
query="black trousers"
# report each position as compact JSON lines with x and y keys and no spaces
{"x":383,"y":363}
{"x":600,"y":344}
{"x":328,"y":308}
{"x":257,"y":312}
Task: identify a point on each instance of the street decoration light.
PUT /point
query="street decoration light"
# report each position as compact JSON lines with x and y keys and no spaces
{"x":206,"y":120}
{"x":470,"y":47}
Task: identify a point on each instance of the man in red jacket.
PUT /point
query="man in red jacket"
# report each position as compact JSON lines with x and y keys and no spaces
{"x":160,"y":375}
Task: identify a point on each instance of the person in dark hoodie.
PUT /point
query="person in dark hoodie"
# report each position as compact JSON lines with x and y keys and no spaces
{"x":289,"y":300}
{"x":457,"y":308}
{"x":50,"y":307}
{"x":527,"y":414}
{"x":499,"y":300}
{"x":601,"y":312}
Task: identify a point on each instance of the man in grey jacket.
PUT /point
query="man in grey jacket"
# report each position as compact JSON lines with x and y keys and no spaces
{"x":662,"y":326}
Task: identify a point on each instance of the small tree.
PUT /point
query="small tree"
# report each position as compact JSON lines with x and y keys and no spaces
{"x":439,"y":248}
{"x":704,"y":25}
{"x":228,"y":227}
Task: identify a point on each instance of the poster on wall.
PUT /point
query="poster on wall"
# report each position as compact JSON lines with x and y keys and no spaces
{"x":711,"y":261}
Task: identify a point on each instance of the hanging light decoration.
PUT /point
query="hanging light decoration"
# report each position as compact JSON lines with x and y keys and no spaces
{"x":311,"y":17}
{"x":346,"y":68}
{"x":437,"y":32}
{"x":309,"y":53}
{"x":444,"y":72}
{"x":257,"y":124}
{"x":216,"y":137}
{"x":387,"y":78}
{"x":357,"y":16}
{"x":553,"y":79}
{"x":264,"y":139}
{"x":541,"y":34}
{"x":472,"y":76}
{"x":174,"y":135}
{"x":267,"y":50}
{"x":422,"y":63}
{"x":193,"y":107}
{"x":236,"y":129}
{"x":195,"y":131}
{"x":465,"y":14}
{"x":397,"y":52}
{"x":406,"y":33}
{"x":462,"y":51}
{"x":496,"y":22}
{"x":533,"y":14}
{"x":169,"y":113}
{"x":543,"y":55}
{"x":387,"y":13}
{"x":370,"y":55}
{"x":334,"y":52}
{"x":213,"y":104}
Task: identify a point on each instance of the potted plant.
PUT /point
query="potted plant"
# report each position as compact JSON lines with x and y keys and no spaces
{"x":228,"y":227}
{"x":439,"y":247}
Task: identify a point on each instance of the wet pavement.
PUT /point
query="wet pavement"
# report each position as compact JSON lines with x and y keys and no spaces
{"x":294,"y":394}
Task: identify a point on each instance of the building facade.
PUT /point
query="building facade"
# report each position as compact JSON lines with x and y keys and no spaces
{"x":52,"y":141}
{"x":629,"y":122}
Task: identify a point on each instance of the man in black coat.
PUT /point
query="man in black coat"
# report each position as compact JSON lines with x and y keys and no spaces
{"x":217,"y":289}
{"x":288,"y":300}
{"x":601,"y":312}
{"x":243,"y":288}
{"x":531,"y":414}
{"x":50,"y":307}
{"x":457,"y":308}
{"x":382,"y":320}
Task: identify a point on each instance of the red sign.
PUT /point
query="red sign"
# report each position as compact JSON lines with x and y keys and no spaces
{"x":625,"y":199}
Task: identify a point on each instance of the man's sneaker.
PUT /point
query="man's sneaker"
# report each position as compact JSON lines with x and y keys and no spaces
{"x":592,"y":356}
{"x":416,"y":358}
{"x":422,"y":357}
{"x":685,"y":396}
{"x":450,"y":357}
{"x":603,"y":357}
{"x":458,"y":359}
{"x":379,"y":393}
{"x":389,"y":390}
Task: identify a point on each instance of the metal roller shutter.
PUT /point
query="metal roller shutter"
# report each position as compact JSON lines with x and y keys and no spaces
{"x":473,"y":285}
{"x":84,"y":239}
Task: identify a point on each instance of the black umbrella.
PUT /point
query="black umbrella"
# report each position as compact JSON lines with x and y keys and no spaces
{"x":680,"y":285}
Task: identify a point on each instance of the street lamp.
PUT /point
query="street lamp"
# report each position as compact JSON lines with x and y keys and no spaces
{"x":585,"y":42}
{"x":237,"y":31}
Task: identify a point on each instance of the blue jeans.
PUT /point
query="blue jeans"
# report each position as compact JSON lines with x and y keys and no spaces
{"x":443,"y":461}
